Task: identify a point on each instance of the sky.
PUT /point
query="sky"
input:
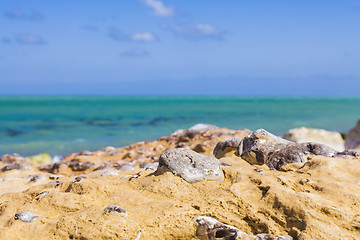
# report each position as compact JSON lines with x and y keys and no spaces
{"x":180,"y":47}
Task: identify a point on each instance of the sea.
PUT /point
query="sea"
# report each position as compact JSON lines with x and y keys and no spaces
{"x":65,"y":124}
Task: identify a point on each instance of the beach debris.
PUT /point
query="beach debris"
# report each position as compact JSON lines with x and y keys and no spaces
{"x":328,"y":138}
{"x":190,"y":165}
{"x":210,"y":229}
{"x":115,"y":209}
{"x":26,"y":216}
{"x":107,"y":173}
{"x":77,"y":165}
{"x":352,"y":140}
{"x":10,"y":167}
{"x":226,"y":145}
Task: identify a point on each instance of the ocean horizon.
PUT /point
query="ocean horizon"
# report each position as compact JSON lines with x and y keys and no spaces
{"x":60,"y":125}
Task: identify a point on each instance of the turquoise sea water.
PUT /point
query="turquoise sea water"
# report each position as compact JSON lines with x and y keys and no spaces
{"x":62,"y":125}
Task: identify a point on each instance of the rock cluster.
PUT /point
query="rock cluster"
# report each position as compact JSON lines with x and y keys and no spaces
{"x":173,"y":188}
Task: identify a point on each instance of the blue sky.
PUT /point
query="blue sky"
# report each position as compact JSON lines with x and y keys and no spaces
{"x":180,"y":47}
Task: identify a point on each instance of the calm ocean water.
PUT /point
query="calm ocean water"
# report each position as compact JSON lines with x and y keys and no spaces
{"x":62,"y":125}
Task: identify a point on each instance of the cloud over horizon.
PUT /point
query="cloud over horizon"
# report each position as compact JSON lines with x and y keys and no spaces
{"x":16,"y":14}
{"x":159,"y":8}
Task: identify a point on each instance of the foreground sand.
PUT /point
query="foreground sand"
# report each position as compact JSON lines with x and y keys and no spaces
{"x":319,"y":200}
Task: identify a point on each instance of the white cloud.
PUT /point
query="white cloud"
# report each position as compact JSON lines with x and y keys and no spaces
{"x":19,"y":15}
{"x":143,"y":37}
{"x":195,"y":31}
{"x":30,"y":39}
{"x":159,"y":9}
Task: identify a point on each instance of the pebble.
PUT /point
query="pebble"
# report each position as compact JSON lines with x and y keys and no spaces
{"x":115,"y":209}
{"x":41,"y":195}
{"x":223,"y":146}
{"x":55,"y":177}
{"x":151,"y":166}
{"x":10,"y":167}
{"x":110,"y":173}
{"x":79,"y":178}
{"x":26,"y":216}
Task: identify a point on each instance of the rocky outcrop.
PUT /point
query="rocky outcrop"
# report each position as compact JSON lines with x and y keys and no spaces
{"x":262,"y":147}
{"x":191,"y":166}
{"x":321,"y":136}
{"x":352,"y":140}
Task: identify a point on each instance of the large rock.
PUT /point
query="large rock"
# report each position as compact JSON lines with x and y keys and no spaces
{"x":225,"y":146}
{"x":303,"y":134}
{"x":262,"y":147}
{"x":190,"y":165}
{"x":198,"y":129}
{"x":352,"y":140}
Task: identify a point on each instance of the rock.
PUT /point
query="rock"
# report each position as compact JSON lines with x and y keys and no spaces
{"x":115,"y":209}
{"x":198,"y":129}
{"x":107,"y":173}
{"x":151,"y":166}
{"x":86,"y":153}
{"x":41,"y":195}
{"x":211,"y":229}
{"x":303,"y":134}
{"x":26,"y":216}
{"x":262,"y":147}
{"x":79,"y":178}
{"x":41,"y":159}
{"x":226,"y":145}
{"x":127,"y":167}
{"x":77,"y":165}
{"x":191,"y":166}
{"x":10,"y":167}
{"x":352,"y":140}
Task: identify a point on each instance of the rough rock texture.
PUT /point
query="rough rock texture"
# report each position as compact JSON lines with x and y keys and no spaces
{"x":318,"y":201}
{"x":352,"y":140}
{"x":262,"y":147}
{"x":225,"y":146}
{"x":303,"y":134}
{"x":190,"y":165}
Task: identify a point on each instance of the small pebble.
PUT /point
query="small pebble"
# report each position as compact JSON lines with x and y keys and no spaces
{"x":127,"y":167}
{"x":115,"y":209}
{"x":110,"y":173}
{"x":151,"y":166}
{"x":26,"y":216}
{"x":41,"y":195}
{"x":55,"y":177}
{"x":131,"y":176}
{"x":258,"y":171}
{"x":35,"y":178}
{"x":78,"y":179}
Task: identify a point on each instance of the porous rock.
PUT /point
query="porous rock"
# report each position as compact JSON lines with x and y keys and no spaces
{"x":352,"y":140}
{"x":115,"y":209}
{"x":191,"y":166}
{"x":226,"y":145}
{"x":10,"y":167}
{"x":198,"y":129}
{"x":26,"y":216}
{"x":328,"y":138}
{"x":262,"y":147}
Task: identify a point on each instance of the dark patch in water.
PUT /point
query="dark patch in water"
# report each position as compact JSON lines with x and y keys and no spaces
{"x":101,"y":122}
{"x":13,"y":132}
{"x":158,"y":120}
{"x":137,"y":124}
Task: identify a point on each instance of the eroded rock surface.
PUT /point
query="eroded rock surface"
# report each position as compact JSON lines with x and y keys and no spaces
{"x":321,"y":136}
{"x":352,"y":140}
{"x":191,"y":166}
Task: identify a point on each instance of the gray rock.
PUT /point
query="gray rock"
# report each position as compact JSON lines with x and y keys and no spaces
{"x":79,"y":178}
{"x":10,"y":167}
{"x":77,"y":165}
{"x":107,"y":173}
{"x":262,"y":147}
{"x":211,"y":229}
{"x":198,"y":129}
{"x":321,"y":136}
{"x":55,"y":177}
{"x":41,"y":195}
{"x":115,"y":209}
{"x":86,"y":153}
{"x":191,"y":166}
{"x":151,"y":166}
{"x":352,"y":140}
{"x":26,"y":216}
{"x":225,"y":146}
{"x":127,"y":167}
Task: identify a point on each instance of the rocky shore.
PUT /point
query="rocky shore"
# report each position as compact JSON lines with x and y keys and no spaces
{"x":204,"y":182}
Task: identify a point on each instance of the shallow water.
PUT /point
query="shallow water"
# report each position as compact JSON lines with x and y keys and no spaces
{"x":62,"y":125}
